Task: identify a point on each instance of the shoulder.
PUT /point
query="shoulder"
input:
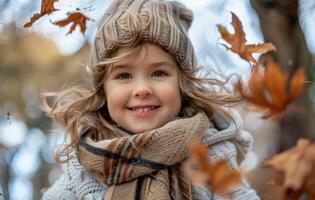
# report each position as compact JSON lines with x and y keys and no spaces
{"x":228,"y":138}
{"x":75,"y":183}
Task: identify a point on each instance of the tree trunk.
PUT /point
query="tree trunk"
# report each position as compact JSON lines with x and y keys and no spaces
{"x":280,"y":25}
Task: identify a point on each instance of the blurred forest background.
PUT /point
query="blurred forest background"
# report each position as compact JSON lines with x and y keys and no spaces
{"x":44,"y":58}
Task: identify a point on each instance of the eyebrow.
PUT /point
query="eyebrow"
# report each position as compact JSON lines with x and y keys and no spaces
{"x":154,"y":64}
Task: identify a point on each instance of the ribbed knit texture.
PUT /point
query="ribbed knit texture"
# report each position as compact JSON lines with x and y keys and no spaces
{"x":76,"y":183}
{"x":230,"y":143}
{"x":128,"y":22}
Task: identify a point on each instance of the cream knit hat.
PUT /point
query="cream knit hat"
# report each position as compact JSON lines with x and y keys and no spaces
{"x":128,"y":22}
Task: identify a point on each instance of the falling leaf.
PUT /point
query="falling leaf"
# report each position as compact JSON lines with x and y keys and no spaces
{"x":77,"y":18}
{"x":273,"y":91}
{"x":218,"y":177}
{"x":238,"y":41}
{"x":296,"y":88}
{"x":297,"y":165}
{"x":47,"y":7}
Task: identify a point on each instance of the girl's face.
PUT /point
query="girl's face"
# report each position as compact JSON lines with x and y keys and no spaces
{"x":143,"y":90}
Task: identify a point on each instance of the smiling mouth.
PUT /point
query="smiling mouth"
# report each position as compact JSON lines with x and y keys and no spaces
{"x":144,"y":112}
{"x":143,"y":109}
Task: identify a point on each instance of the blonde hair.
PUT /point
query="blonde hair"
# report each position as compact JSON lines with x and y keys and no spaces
{"x":80,"y":108}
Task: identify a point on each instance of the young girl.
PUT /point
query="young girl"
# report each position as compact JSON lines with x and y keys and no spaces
{"x":129,"y":133}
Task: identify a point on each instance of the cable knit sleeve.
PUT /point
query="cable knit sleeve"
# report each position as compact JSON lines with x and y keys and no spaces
{"x":74,"y":184}
{"x":227,"y":150}
{"x":230,"y":143}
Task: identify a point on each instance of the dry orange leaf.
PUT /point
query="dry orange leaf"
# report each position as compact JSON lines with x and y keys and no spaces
{"x":47,"y":7}
{"x":77,"y":18}
{"x":238,"y":41}
{"x":218,"y":177}
{"x":297,"y":167}
{"x":273,"y":91}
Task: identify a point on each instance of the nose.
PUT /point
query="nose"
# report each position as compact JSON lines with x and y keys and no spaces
{"x":142,"y":91}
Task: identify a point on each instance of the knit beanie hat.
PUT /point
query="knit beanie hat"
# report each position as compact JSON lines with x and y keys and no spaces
{"x":129,"y":22}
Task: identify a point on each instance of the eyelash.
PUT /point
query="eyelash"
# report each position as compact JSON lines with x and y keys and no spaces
{"x":122,"y":76}
{"x":119,"y":76}
{"x":160,"y":71}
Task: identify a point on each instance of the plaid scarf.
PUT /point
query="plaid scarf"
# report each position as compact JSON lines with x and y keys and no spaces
{"x":147,"y":165}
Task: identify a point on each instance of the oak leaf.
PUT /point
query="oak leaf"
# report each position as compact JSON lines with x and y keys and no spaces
{"x":273,"y":91}
{"x":238,"y":41}
{"x":47,"y":7}
{"x":297,"y":169}
{"x":77,"y":18}
{"x":218,"y":177}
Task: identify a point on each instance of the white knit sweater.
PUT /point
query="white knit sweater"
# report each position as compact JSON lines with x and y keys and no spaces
{"x":231,"y":143}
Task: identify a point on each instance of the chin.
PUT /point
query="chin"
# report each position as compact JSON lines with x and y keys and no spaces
{"x":143,"y":129}
{"x":137,"y":131}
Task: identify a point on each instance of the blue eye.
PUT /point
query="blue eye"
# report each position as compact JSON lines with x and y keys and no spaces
{"x":159,"y":74}
{"x":123,"y":76}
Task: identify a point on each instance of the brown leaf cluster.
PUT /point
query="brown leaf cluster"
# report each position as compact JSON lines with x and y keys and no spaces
{"x":47,"y":7}
{"x":237,"y":40}
{"x":296,"y":166}
{"x":77,"y":18}
{"x":218,"y":177}
{"x":274,"y":90}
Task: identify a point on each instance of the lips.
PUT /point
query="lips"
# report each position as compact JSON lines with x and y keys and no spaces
{"x":142,"y":108}
{"x":143,"y":111}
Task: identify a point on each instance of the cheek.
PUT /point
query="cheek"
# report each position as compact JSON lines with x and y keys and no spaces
{"x":116,"y":97}
{"x":170,"y":94}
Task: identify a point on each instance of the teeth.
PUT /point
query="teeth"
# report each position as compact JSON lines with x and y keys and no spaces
{"x":146,"y":109}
